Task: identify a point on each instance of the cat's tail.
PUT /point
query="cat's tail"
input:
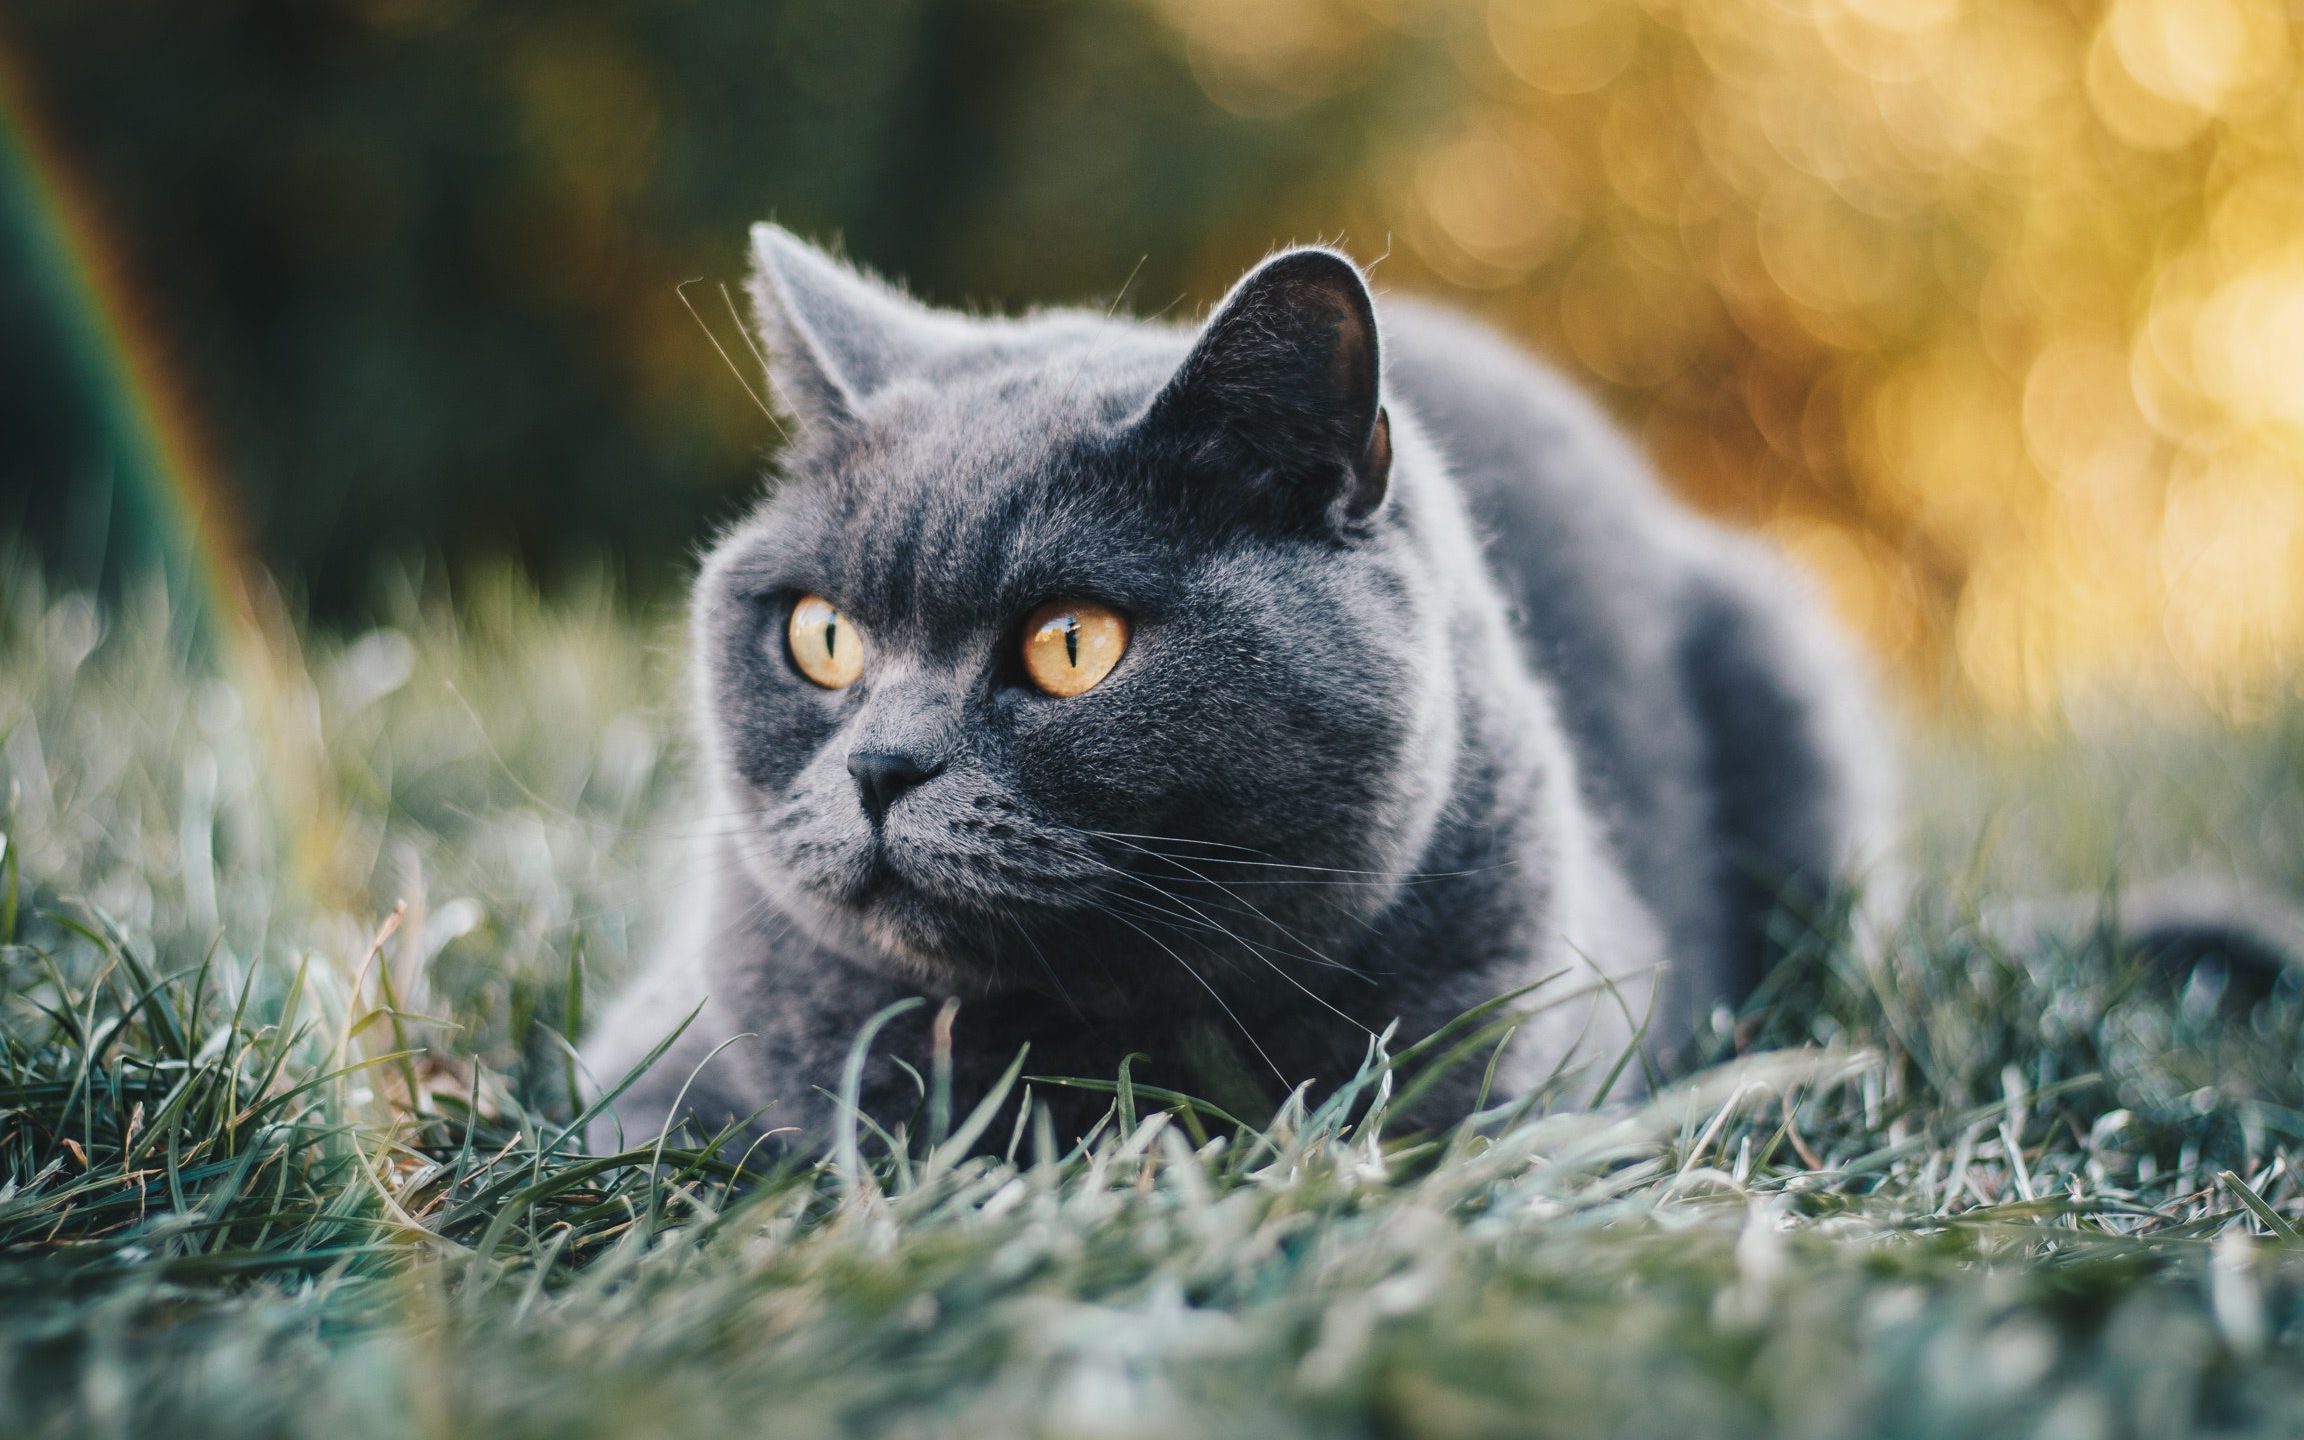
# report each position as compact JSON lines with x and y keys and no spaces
{"x":2241,"y":939}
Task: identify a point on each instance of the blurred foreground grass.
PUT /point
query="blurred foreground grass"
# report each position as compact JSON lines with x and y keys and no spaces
{"x":262,"y":1172}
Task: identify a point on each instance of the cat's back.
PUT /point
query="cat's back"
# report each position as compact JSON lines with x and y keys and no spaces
{"x":1724,"y":726}
{"x":1551,"y":481}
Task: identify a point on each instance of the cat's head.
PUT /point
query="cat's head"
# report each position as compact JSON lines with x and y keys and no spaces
{"x":1077,"y":654}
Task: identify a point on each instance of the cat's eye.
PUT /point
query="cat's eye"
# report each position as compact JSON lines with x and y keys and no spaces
{"x":824,"y":644}
{"x":1071,"y":645}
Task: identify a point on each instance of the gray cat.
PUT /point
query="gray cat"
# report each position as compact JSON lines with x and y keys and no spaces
{"x":1220,"y":696}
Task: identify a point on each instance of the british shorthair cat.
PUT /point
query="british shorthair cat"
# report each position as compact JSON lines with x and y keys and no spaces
{"x":1220,"y":695}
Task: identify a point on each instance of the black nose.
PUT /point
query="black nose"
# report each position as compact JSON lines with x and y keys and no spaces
{"x":882,"y":775}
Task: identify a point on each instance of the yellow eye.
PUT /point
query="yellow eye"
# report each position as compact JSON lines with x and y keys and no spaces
{"x":1070,"y":645}
{"x":824,"y":645}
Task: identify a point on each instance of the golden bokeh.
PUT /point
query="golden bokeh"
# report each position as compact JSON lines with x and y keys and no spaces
{"x":1992,"y":310}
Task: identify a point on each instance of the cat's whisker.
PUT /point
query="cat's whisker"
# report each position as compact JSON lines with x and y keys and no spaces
{"x":1306,"y":951}
{"x":1174,"y":840}
{"x":1350,"y":876}
{"x":1213,"y":994}
{"x":1184,"y":931}
{"x":1025,"y":934}
{"x":1184,"y":919}
{"x":1323,"y":893}
{"x":1278,"y":969}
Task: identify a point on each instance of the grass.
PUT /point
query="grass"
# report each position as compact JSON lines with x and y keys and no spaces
{"x":277,"y":1158}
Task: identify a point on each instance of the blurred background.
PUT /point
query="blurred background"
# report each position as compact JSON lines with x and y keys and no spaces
{"x":1993,"y":310}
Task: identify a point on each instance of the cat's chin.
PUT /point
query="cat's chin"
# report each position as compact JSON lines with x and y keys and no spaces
{"x":897,"y":945}
{"x":887,"y":925}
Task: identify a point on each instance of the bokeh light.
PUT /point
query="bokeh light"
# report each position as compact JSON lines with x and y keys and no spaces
{"x":1993,"y":312}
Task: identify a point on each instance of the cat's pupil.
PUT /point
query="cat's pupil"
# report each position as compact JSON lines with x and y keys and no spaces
{"x":1072,"y":641}
{"x":831,"y":634}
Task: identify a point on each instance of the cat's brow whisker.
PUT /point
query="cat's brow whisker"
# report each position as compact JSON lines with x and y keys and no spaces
{"x":744,"y":333}
{"x":1079,"y":373}
{"x":681,"y":290}
{"x":1122,"y":293}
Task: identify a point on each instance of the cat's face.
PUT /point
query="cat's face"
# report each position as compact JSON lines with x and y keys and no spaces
{"x":925,"y":767}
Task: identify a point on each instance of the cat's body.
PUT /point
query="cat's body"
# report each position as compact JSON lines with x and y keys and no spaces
{"x":1422,"y":704}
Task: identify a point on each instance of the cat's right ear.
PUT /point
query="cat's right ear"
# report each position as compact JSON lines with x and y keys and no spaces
{"x":833,"y":335}
{"x":1284,"y":383}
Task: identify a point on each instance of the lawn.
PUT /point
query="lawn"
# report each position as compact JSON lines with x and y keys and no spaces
{"x":286,"y":1145}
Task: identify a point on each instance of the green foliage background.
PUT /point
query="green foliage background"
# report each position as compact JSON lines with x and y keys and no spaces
{"x":414,"y":262}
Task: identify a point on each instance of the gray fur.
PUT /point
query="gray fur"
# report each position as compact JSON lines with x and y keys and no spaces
{"x":1426,"y":702}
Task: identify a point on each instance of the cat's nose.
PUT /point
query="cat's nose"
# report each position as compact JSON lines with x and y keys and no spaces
{"x":882,"y":775}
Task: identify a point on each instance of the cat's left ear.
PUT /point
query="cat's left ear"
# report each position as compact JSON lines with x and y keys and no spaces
{"x":833,"y":334}
{"x":1284,"y":381}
